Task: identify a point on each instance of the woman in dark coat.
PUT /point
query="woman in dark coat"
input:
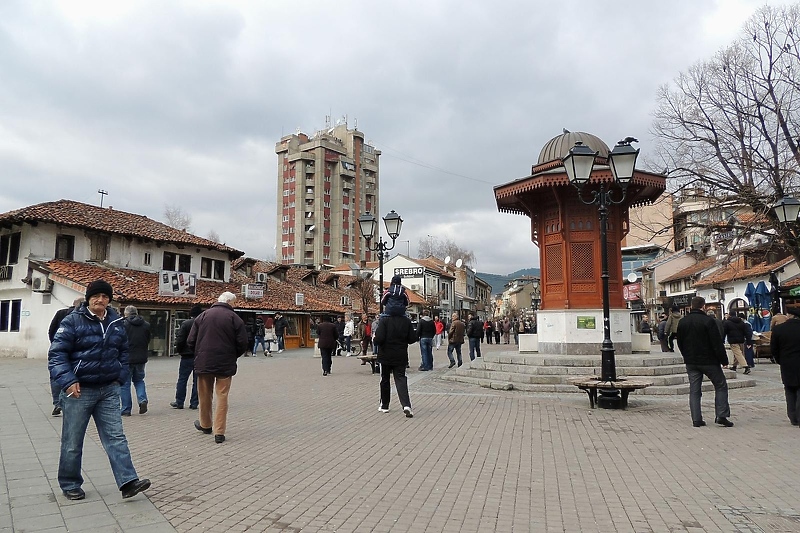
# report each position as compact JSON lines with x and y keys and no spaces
{"x":785,"y":346}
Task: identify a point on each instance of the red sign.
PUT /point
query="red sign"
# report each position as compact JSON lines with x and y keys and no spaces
{"x":632,"y":291}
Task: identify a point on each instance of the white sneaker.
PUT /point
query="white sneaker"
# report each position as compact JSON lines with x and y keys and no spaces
{"x":383,"y":409}
{"x":280,"y":351}
{"x":408,"y":411}
{"x":348,"y":354}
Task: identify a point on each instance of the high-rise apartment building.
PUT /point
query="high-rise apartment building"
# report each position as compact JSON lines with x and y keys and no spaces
{"x":325,"y":182}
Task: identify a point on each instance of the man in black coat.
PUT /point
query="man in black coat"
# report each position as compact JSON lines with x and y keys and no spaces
{"x":55,"y":390}
{"x":785,"y":347}
{"x":704,"y":354}
{"x":280,"y":331}
{"x":474,"y":334}
{"x":218,"y":338}
{"x":186,"y":367}
{"x":426,"y":330}
{"x":138,"y":331}
{"x":738,"y":334}
{"x":326,"y":337}
{"x":393,"y":336}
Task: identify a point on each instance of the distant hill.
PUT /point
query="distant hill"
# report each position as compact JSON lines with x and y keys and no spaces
{"x":498,"y":281}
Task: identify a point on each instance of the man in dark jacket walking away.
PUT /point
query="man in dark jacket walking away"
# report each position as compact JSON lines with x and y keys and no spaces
{"x":88,"y":358}
{"x":426,"y":330}
{"x":280,"y":331}
{"x":186,"y":367}
{"x":704,"y":354}
{"x":394,"y":335}
{"x":218,"y":338}
{"x":55,"y":390}
{"x":474,"y":333}
{"x":738,"y":333}
{"x":785,"y":347}
{"x":455,"y":338}
{"x":138,"y":330}
{"x":326,"y":337}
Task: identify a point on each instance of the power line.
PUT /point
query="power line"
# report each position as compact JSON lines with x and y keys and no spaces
{"x":413,"y":161}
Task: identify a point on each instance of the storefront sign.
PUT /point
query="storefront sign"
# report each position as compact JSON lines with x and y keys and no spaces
{"x":177,"y":283}
{"x":632,"y":291}
{"x":410,"y":272}
{"x":255,"y":290}
{"x":586,"y":322}
{"x":682,"y":300}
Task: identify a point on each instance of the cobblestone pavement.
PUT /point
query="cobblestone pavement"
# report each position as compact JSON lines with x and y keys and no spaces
{"x":311,"y":453}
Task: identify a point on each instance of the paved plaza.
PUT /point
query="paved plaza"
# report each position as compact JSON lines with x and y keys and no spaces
{"x":311,"y":453}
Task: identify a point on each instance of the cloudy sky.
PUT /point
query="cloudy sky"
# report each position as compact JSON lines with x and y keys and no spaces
{"x":181,"y":102}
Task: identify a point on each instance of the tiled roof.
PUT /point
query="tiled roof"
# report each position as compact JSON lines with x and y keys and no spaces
{"x":106,"y":219}
{"x":736,"y":271}
{"x":138,"y":287}
{"x":436,"y":265}
{"x":692,"y":270}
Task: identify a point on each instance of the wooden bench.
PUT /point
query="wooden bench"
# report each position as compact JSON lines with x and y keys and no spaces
{"x":591,"y":384}
{"x":373,"y":362}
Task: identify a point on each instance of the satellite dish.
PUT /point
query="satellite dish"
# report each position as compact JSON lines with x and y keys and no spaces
{"x":459,"y":262}
{"x":447,"y":260}
{"x":632,"y":277}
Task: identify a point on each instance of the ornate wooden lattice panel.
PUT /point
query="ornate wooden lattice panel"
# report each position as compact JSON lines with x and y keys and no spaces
{"x":555,"y":263}
{"x":582,"y":259}
{"x":583,"y":287}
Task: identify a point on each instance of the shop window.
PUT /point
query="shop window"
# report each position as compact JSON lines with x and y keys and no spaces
{"x":65,"y":247}
{"x":177,"y":262}
{"x":10,"y":312}
{"x":212,"y":268}
{"x":9,"y":249}
{"x":98,"y":245}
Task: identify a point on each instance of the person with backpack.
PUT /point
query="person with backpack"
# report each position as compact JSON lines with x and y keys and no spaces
{"x":261,"y":333}
{"x":671,"y":329}
{"x":186,"y":366}
{"x":138,"y":331}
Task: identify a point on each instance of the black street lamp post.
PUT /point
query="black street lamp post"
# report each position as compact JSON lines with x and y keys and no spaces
{"x":578,"y":164}
{"x":367,"y":223}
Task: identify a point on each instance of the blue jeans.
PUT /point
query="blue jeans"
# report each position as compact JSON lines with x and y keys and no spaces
{"x":280,"y":342}
{"x":474,"y":346}
{"x":717,"y":378}
{"x":137,"y":376}
{"x":426,"y":351}
{"x":457,"y":347}
{"x":102,"y":404}
{"x":55,"y":391}
{"x":186,"y":368}
{"x":347,"y":340}
{"x":265,"y":345}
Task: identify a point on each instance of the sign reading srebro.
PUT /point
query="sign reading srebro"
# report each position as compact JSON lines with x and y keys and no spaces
{"x":409,"y":272}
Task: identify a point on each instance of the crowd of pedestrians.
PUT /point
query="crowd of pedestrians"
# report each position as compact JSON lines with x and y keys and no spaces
{"x":96,"y":356}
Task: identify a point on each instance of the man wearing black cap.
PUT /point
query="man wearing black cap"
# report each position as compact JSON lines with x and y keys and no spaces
{"x":187,"y":363}
{"x":88,"y":359}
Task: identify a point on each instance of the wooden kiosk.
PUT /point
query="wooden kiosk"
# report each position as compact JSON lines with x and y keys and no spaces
{"x":567,"y":232}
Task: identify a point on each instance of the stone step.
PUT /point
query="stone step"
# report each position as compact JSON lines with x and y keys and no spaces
{"x":622,"y":361}
{"x":594,"y":369}
{"x":510,"y":376}
{"x":663,"y":390}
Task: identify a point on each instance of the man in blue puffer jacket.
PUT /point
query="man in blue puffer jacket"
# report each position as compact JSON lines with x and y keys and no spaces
{"x":88,"y":359}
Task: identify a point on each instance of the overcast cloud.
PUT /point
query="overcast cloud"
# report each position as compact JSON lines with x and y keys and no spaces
{"x":182,"y":102}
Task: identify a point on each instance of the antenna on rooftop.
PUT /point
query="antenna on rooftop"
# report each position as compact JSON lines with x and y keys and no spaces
{"x":102,"y":193}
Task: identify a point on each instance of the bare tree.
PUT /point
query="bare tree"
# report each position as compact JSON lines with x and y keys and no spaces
{"x":213,"y":236}
{"x":363,"y":290}
{"x":442,"y":248}
{"x":175,"y":216}
{"x":730,"y":124}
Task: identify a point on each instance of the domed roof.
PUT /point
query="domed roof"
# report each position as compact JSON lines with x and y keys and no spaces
{"x":558,"y":147}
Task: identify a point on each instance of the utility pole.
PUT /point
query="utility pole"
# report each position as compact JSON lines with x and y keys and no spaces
{"x":102,"y":193}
